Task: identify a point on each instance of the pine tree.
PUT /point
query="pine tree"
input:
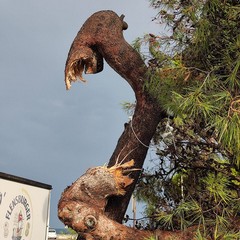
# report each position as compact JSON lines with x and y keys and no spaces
{"x":194,"y":73}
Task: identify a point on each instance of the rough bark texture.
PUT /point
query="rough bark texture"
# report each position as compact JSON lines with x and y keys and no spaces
{"x":82,"y":205}
{"x":101,"y":36}
{"x":94,"y":210}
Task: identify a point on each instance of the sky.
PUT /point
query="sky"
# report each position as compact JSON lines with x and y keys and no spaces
{"x":48,"y":134}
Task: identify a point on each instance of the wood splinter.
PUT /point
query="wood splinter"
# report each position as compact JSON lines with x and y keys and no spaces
{"x":82,"y":204}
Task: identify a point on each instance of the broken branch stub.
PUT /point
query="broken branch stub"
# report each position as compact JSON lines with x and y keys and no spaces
{"x":82,"y":205}
{"x":101,"y":37}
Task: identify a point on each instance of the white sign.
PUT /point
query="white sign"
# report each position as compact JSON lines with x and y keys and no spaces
{"x":24,"y":208}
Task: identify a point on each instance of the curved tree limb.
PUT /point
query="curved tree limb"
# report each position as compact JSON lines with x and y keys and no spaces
{"x":100,"y":37}
{"x":96,"y":203}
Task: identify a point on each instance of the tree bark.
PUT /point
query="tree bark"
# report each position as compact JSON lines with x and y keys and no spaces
{"x":82,"y":206}
{"x":133,"y":145}
{"x":101,"y":36}
{"x":96,"y":211}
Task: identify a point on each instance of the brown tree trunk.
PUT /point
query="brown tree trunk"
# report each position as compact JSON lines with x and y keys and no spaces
{"x":101,"y":37}
{"x":133,"y":145}
{"x":82,"y":206}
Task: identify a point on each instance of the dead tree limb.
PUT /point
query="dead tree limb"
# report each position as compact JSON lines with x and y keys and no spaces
{"x":100,"y":37}
{"x":96,"y":203}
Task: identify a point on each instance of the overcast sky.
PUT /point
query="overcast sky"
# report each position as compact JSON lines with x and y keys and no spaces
{"x":48,"y":134}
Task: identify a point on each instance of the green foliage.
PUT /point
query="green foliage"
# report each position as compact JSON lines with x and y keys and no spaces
{"x":217,"y":186}
{"x":128,"y":108}
{"x":200,"y":77}
{"x":194,"y":73}
{"x":202,"y":197}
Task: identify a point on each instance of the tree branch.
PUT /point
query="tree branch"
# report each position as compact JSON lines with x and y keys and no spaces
{"x":100,"y":37}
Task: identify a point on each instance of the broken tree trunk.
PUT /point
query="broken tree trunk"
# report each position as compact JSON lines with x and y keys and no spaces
{"x":96,"y":203}
{"x":82,"y":206}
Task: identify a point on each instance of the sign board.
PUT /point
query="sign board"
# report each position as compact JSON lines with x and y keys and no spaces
{"x":24,"y":208}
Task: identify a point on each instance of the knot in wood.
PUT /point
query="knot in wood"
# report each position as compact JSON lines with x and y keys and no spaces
{"x":90,"y":222}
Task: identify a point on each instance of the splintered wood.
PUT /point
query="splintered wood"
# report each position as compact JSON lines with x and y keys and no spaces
{"x":82,"y":204}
